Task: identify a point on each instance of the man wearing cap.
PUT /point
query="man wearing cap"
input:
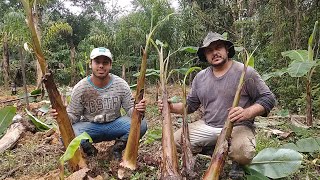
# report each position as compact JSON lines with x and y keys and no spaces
{"x":214,"y":88}
{"x":95,"y":105}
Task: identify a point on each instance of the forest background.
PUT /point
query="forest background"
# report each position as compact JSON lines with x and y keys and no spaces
{"x":67,"y":38}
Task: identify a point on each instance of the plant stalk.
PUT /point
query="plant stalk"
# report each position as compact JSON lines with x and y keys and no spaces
{"x":129,"y":159}
{"x":188,"y":160}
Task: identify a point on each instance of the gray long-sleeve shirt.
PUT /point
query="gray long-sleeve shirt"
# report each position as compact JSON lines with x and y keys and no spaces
{"x":90,"y":103}
{"x":216,"y":94}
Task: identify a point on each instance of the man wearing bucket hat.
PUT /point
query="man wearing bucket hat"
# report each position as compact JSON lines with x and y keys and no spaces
{"x":214,"y":88}
{"x":96,"y":102}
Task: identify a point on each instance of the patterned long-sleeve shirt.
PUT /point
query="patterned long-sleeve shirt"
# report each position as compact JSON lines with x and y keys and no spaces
{"x":90,"y":103}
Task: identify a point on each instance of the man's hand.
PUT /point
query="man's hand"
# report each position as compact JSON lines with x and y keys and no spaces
{"x":160,"y":105}
{"x":239,"y":114}
{"x":54,"y":113}
{"x":141,"y":106}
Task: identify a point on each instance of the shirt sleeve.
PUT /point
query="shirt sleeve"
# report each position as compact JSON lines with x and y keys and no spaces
{"x":75,"y":108}
{"x":193,"y":101}
{"x":259,"y":91}
{"x":127,"y":100}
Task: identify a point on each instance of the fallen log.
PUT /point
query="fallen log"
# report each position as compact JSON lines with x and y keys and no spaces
{"x":11,"y":137}
{"x":17,"y":99}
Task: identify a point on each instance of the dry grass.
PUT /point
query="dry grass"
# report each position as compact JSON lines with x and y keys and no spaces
{"x":36,"y":154}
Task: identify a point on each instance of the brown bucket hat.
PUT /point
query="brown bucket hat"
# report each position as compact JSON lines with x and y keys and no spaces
{"x":212,"y":37}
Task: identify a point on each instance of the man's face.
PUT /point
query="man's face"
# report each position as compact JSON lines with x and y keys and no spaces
{"x":101,"y":66}
{"x":216,"y":53}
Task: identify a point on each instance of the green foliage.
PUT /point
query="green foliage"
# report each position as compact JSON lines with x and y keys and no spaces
{"x":175,"y":99}
{"x":254,"y":175}
{"x":190,"y":49}
{"x":71,"y":149}
{"x":264,"y":142}
{"x":82,"y":71}
{"x":304,"y":145}
{"x":6,"y":116}
{"x":149,"y":72}
{"x":74,"y":146}
{"x":45,"y":108}
{"x":153,"y":135}
{"x":277,"y":73}
{"x":300,"y":68}
{"x":36,"y":92}
{"x":296,"y":55}
{"x":58,"y":30}
{"x":37,"y":122}
{"x":276,"y":163}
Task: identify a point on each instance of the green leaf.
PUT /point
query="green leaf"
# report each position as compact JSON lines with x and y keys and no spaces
{"x":318,"y":140}
{"x":254,"y":175}
{"x":153,"y":135}
{"x":30,"y":98}
{"x":39,"y":124}
{"x":308,"y":145}
{"x":300,"y":68}
{"x":290,"y":146}
{"x":36,"y":92}
{"x":82,"y":71}
{"x":277,"y":73}
{"x":225,"y":35}
{"x":310,"y":41}
{"x":6,"y":116}
{"x":181,"y":70}
{"x":158,"y":42}
{"x":190,"y":70}
{"x":149,"y":72}
{"x":44,"y":108}
{"x":73,"y":146}
{"x":296,"y":55}
{"x":283,"y":112}
{"x":251,"y":62}
{"x":276,"y":163}
{"x":189,"y":49}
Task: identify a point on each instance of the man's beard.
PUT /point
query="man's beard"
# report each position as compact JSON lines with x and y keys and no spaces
{"x":96,"y":74}
{"x":221,"y":63}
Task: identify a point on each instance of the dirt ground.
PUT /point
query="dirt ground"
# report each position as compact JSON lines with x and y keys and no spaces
{"x":36,"y":154}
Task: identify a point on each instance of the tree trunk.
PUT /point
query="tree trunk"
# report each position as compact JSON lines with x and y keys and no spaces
{"x":309,"y":104}
{"x":64,"y":123}
{"x":123,"y":75}
{"x":23,"y":67}
{"x":36,"y":24}
{"x":11,"y":137}
{"x":296,"y":39}
{"x":5,"y":63}
{"x":72,"y":62}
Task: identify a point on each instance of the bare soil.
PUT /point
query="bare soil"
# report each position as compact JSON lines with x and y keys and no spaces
{"x":36,"y":155}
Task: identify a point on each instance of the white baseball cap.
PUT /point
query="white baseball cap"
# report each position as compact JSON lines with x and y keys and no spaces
{"x":100,"y":51}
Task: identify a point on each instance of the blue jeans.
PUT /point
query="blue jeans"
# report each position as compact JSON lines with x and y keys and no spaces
{"x":117,"y":129}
